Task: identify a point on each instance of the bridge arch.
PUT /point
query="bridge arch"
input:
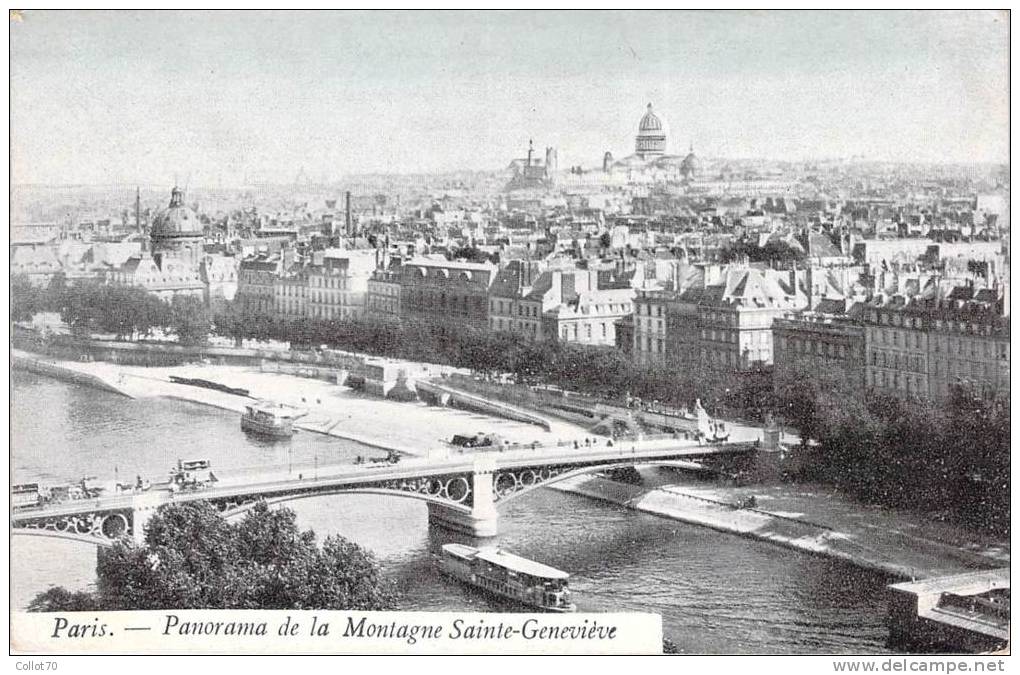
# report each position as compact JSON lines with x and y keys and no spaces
{"x":67,"y":536}
{"x":522,"y":488}
{"x":285,"y":498}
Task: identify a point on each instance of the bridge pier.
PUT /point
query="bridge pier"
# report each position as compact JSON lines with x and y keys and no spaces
{"x":142,"y":510}
{"x":483,"y":519}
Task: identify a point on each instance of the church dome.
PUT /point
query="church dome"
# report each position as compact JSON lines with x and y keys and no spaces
{"x":650,"y":122}
{"x":177,"y":220}
{"x":691,"y":164}
{"x":651,"y":137}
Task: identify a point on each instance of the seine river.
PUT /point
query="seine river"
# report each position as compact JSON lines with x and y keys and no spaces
{"x":717,"y":593}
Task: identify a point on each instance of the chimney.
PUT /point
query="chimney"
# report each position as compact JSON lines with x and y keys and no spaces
{"x":809,"y":279}
{"x":347,"y":213}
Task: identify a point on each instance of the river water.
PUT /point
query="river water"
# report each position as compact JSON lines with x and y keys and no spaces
{"x":716,"y":592}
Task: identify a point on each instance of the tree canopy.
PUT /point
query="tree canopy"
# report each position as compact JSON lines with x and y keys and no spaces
{"x":194,"y":559}
{"x":774,"y":251}
{"x":949,"y":459}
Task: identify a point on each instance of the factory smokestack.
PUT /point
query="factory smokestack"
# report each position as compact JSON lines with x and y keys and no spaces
{"x":347,"y":214}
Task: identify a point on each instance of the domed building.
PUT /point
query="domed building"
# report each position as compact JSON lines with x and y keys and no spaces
{"x":691,"y":166}
{"x":651,"y":137}
{"x":177,"y":232}
{"x":650,"y":161}
{"x":173,"y":264}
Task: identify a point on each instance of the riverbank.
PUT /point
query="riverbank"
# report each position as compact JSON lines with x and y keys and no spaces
{"x":809,"y":521}
{"x":413,"y":428}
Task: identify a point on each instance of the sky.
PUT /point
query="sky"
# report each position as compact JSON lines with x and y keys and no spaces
{"x":217,"y":98}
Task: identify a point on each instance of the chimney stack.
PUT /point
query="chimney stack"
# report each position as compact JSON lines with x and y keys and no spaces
{"x":347,"y":213}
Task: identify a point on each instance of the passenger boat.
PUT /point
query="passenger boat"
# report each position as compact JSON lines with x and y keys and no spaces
{"x":508,"y":576}
{"x":267,"y":418}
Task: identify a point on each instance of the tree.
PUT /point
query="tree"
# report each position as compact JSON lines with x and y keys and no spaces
{"x":59,"y":599}
{"x":55,"y":290}
{"x":194,"y":559}
{"x":190,"y":320}
{"x":26,"y":299}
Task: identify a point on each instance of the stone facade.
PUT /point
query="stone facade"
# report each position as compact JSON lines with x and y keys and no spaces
{"x":453,"y":292}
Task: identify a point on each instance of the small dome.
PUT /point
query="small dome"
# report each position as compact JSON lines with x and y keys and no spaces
{"x":178,"y":220}
{"x":691,"y":163}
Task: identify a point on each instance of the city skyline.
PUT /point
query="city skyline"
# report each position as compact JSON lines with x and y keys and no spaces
{"x":223,"y":98}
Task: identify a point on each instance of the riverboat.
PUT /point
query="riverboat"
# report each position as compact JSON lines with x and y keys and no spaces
{"x":267,"y":418}
{"x":508,"y":576}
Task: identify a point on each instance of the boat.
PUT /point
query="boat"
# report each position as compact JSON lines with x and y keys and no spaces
{"x":206,"y":384}
{"x":508,"y":576}
{"x":267,"y":418}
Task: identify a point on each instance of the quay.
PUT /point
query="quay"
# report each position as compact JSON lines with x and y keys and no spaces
{"x":883,"y":543}
{"x":961,"y":612}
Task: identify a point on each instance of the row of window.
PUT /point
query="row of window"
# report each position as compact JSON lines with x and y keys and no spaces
{"x":649,"y":324}
{"x":897,"y":319}
{"x":804,"y":346}
{"x":946,"y":368}
{"x":914,"y":384}
{"x":571,"y":331}
{"x":719,"y":357}
{"x":897,"y":360}
{"x":654,"y":346}
{"x":507,"y":307}
{"x":508,"y":324}
{"x":330,"y":282}
{"x":648,"y":310}
{"x":943,"y":343}
{"x":897,"y":338}
{"x":441,"y":300}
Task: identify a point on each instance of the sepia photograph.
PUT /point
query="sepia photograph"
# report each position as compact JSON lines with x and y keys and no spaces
{"x":511,"y":332}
